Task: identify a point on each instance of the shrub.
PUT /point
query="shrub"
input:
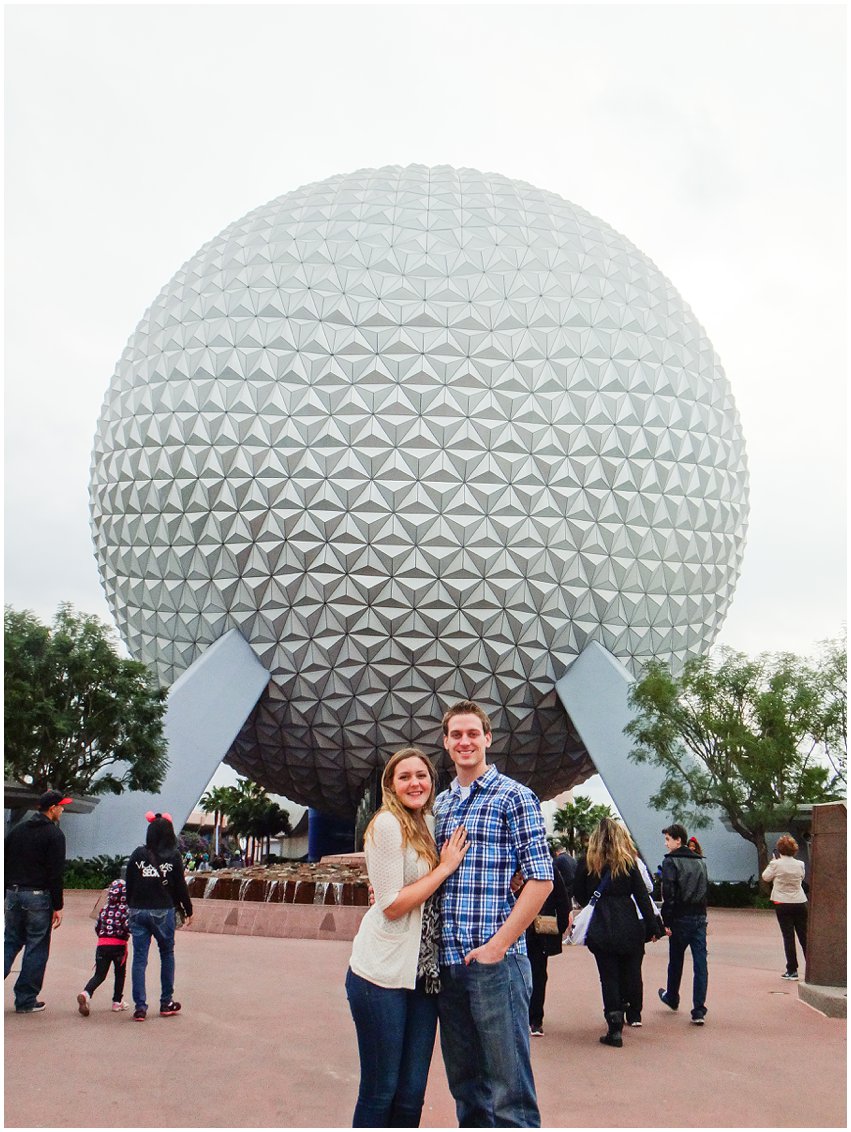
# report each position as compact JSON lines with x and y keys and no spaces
{"x":92,"y":872}
{"x":735,"y":894}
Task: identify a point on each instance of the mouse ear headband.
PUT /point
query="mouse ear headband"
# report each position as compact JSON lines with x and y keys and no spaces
{"x":150,"y":815}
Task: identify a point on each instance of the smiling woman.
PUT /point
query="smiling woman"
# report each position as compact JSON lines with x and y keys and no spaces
{"x":392,"y":982}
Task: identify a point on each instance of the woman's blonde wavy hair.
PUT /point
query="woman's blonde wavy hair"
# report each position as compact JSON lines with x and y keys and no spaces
{"x":415,"y":832}
{"x":610,"y":846}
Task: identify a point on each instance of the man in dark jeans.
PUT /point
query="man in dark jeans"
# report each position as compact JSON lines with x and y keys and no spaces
{"x":34,"y":863}
{"x":684,"y":889}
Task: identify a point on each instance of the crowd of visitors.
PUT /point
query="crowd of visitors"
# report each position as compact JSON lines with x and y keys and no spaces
{"x":468,"y":906}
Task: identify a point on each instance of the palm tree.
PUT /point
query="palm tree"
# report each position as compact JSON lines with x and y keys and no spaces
{"x":577,"y":819}
{"x":217,"y":802}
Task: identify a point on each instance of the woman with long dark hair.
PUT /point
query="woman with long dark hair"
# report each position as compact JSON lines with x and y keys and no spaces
{"x":616,"y":935}
{"x":393,"y":976}
{"x":155,"y":887}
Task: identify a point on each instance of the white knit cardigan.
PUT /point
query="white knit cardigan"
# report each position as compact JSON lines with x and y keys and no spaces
{"x":386,"y":951}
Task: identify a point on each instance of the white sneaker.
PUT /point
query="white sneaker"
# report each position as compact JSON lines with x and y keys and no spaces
{"x":83,"y":1000}
{"x":116,"y":1006}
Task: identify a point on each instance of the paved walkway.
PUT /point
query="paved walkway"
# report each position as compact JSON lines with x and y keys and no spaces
{"x":266,"y":1040}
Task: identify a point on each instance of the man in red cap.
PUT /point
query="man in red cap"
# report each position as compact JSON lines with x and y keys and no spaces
{"x":35,"y":861}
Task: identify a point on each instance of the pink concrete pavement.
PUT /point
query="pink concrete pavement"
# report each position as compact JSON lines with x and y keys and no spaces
{"x":266,"y":1040}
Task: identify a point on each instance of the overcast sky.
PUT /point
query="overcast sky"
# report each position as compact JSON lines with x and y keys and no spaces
{"x":711,"y":136}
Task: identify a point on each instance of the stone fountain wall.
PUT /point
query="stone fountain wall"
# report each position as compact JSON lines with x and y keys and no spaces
{"x":327,"y":900}
{"x":302,"y":901}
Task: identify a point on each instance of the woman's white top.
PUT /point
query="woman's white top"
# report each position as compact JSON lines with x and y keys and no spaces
{"x":386,"y":951}
{"x":787,"y":874}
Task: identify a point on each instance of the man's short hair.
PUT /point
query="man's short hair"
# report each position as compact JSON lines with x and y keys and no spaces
{"x":466,"y":707}
{"x":677,"y":832}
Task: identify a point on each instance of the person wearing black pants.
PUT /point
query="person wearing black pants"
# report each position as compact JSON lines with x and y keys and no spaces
{"x":541,"y":945}
{"x":616,"y":935}
{"x":789,"y":899}
{"x":113,"y":933}
{"x":105,"y":957}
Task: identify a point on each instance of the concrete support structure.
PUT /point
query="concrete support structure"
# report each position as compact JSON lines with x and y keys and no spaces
{"x":207,"y":705}
{"x":594,"y":692}
{"x":826,"y":982}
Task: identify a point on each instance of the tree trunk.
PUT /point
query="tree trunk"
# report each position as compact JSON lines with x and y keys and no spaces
{"x":762,"y":858}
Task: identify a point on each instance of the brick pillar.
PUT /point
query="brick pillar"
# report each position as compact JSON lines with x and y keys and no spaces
{"x":826,"y":942}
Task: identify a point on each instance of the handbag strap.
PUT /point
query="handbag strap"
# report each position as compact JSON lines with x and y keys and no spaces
{"x":598,"y":892}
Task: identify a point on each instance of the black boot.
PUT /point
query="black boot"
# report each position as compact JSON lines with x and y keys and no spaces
{"x":614,"y":1037}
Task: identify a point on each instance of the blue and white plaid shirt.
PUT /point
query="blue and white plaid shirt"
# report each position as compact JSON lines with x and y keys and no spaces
{"x":506,"y":832}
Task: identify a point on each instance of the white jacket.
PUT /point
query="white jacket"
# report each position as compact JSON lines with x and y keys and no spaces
{"x":787,"y":874}
{"x":385,"y":952}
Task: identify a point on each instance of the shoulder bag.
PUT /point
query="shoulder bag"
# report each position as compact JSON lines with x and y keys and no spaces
{"x":582,"y":921}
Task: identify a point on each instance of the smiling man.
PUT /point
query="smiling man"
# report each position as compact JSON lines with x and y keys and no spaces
{"x":485,"y":974}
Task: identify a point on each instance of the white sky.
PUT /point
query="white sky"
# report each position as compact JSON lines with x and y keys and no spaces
{"x":713,"y":137}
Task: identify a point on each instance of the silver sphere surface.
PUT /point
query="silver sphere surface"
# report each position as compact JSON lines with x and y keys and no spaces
{"x":419,"y":434}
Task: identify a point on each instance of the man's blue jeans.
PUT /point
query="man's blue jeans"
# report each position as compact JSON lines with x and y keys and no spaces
{"x":484,"y":1035}
{"x":145,"y":924}
{"x":688,"y":931}
{"x":29,"y":921}
{"x":395,"y":1029}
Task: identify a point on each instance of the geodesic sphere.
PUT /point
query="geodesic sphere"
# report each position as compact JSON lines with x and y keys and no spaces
{"x":419,"y":434}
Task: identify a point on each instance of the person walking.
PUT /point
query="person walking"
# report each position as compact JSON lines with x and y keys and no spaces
{"x":566,"y":869}
{"x":34,"y":860}
{"x":392,"y":983}
{"x":543,"y":939}
{"x":155,"y":887}
{"x":113,"y":931}
{"x":484,"y":970}
{"x":684,"y":890}
{"x":616,"y":935}
{"x":789,"y":900}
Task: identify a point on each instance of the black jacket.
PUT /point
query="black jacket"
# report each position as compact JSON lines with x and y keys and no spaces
{"x":157,"y":886}
{"x":566,"y":868}
{"x":35,"y":857}
{"x":615,"y":925}
{"x":684,"y":885}
{"x":558,"y":905}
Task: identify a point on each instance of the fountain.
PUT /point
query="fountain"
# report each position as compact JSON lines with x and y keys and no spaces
{"x":322,"y":900}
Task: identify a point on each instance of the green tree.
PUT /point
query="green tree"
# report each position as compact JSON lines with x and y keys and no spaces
{"x":216,"y":802}
{"x":78,"y":716}
{"x":832,"y":674}
{"x":252,"y":814}
{"x":577,"y":819}
{"x":744,"y":735}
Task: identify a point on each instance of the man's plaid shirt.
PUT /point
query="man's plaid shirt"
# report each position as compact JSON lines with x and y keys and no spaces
{"x":506,"y":833}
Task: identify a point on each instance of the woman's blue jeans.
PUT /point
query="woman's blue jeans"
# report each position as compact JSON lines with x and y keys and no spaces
{"x":145,"y":924}
{"x":395,"y":1030}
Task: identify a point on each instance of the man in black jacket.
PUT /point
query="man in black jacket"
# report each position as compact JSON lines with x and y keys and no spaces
{"x":34,"y":863}
{"x":684,"y":889}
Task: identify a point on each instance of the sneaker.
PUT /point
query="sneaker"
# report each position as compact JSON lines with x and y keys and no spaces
{"x":34,"y":1009}
{"x":120,"y":1006}
{"x":169,"y":1008}
{"x":698,"y":1019}
{"x":791,"y":975}
{"x":536,"y":1031}
{"x":634,"y":1024}
{"x":664,"y":998}
{"x":140,"y":1014}
{"x":83,"y":1003}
